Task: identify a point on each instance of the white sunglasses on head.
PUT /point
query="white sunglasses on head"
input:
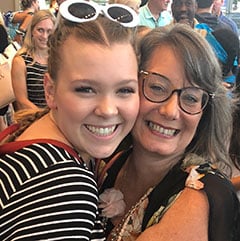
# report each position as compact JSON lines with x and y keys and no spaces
{"x":80,"y":11}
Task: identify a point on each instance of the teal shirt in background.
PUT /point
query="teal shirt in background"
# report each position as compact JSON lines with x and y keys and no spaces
{"x":146,"y":18}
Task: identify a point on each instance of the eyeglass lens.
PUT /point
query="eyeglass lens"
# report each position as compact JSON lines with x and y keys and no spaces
{"x":82,"y":10}
{"x":86,"y":11}
{"x":120,"y":14}
{"x":158,"y":89}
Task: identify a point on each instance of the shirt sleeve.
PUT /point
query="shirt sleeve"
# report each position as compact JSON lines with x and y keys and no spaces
{"x":59,"y":203}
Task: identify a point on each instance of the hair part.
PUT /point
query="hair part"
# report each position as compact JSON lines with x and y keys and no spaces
{"x":101,"y":31}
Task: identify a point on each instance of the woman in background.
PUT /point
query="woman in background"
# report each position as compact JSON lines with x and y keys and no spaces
{"x":30,"y":63}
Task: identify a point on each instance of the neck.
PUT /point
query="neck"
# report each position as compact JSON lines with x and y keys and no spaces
{"x":43,"y":53}
{"x":31,"y":9}
{"x":204,"y":10}
{"x":59,"y":135}
{"x":152,"y":166}
{"x":155,"y":12}
{"x":41,"y":56}
{"x":146,"y":169}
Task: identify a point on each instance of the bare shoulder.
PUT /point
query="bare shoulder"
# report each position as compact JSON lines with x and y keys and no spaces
{"x":18,"y":65}
{"x":18,"y":60}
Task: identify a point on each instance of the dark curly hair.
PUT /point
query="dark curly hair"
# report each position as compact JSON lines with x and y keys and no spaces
{"x":27,"y":3}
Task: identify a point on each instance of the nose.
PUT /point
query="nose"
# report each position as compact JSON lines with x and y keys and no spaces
{"x":106,"y":107}
{"x":170,"y":108}
{"x":45,"y":34}
{"x":183,"y":7}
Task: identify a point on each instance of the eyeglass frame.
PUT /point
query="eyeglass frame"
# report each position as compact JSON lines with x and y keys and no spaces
{"x":178,"y":91}
{"x":100,"y":9}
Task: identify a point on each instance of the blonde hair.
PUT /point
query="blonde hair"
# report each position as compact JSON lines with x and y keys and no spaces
{"x":1,"y":19}
{"x":28,"y":44}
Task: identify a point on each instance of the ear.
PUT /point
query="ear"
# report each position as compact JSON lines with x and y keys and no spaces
{"x":49,"y":88}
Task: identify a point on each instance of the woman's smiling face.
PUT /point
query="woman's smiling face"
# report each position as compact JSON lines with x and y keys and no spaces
{"x":95,"y":100}
{"x":163,"y":127}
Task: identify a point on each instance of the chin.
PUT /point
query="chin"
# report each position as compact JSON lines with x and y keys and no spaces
{"x":102,"y":153}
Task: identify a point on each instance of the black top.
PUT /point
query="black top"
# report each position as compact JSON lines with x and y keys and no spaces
{"x":3,"y":38}
{"x":211,"y":20}
{"x":224,"y":207}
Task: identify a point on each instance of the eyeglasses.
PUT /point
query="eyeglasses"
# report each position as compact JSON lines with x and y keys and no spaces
{"x":157,"y":88}
{"x":80,"y":11}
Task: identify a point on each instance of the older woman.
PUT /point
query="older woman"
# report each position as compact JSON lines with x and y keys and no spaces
{"x":167,"y":180}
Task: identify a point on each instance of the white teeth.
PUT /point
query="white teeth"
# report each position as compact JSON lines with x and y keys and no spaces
{"x":155,"y":127}
{"x":101,"y":131}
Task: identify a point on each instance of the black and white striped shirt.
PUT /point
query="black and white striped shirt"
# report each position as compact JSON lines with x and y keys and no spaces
{"x":46,"y":193}
{"x":34,"y":80}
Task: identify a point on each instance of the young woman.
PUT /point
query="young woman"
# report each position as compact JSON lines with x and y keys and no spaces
{"x":30,"y":63}
{"x":48,"y":191}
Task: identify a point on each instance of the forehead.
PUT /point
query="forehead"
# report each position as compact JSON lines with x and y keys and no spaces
{"x":164,"y":60}
{"x":47,"y":22}
{"x":79,"y":56}
{"x":178,"y":2}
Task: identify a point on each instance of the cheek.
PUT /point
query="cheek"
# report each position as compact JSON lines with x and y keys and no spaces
{"x":191,"y":124}
{"x":132,"y":110}
{"x":145,"y":105}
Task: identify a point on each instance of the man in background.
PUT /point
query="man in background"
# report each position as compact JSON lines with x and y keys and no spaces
{"x":216,"y":10}
{"x":155,"y":14}
{"x":204,"y":15}
{"x":183,"y":11}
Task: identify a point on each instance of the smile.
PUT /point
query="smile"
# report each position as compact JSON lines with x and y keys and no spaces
{"x":101,"y":131}
{"x":161,"y":130}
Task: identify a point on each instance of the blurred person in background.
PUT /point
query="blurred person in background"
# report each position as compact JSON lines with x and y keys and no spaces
{"x":134,"y":4}
{"x":17,"y":22}
{"x":30,"y":63}
{"x":3,"y":45}
{"x":154,"y":13}
{"x":216,"y":10}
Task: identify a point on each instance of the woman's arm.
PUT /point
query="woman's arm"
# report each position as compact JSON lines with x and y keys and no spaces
{"x":186,"y":219}
{"x":23,"y":29}
{"x":18,"y":74}
{"x":19,"y":17}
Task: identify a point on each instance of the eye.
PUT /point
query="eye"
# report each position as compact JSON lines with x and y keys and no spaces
{"x":125,"y":91}
{"x":189,"y":3}
{"x":85,"y":89}
{"x":191,"y":96}
{"x":157,"y":88}
{"x":40,"y":30}
{"x":189,"y":99}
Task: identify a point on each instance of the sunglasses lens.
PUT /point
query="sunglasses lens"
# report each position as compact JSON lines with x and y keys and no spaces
{"x":120,"y":14}
{"x":82,"y":10}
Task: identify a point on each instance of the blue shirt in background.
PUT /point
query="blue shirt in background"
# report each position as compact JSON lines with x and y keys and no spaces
{"x":147,"y":19}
